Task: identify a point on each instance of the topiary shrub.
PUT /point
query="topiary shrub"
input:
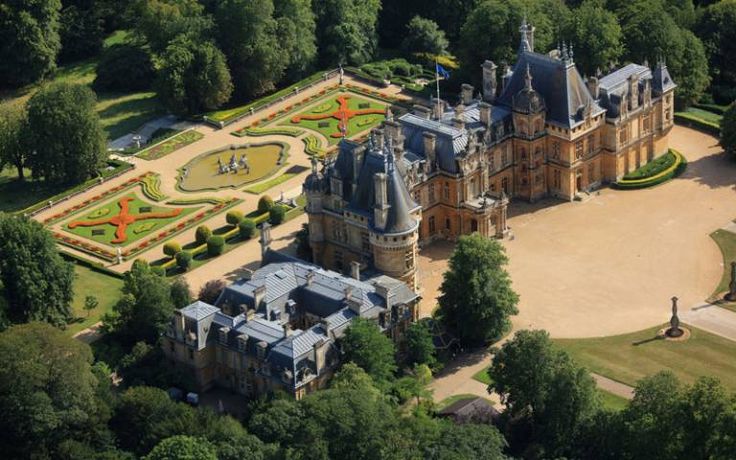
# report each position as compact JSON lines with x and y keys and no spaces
{"x":215,"y":245}
{"x":172,"y":248}
{"x":277,"y":215}
{"x":202,"y":234}
{"x":184,"y":260}
{"x":265,"y":204}
{"x":234,"y":217}
{"x":247,"y":228}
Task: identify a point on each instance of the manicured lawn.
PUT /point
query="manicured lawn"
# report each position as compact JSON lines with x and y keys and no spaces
{"x":328,"y":125}
{"x":482,"y":376}
{"x":172,"y":144}
{"x":105,"y":232}
{"x":263,"y":186}
{"x":630,"y":357}
{"x":726,"y":242}
{"x":104,"y":287}
{"x":612,"y":402}
{"x":704,"y":114}
{"x":653,"y":167}
{"x":202,"y":172}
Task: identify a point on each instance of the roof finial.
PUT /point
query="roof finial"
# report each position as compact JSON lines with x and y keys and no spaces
{"x":570,"y":52}
{"x":528,"y":78}
{"x":565,"y":56}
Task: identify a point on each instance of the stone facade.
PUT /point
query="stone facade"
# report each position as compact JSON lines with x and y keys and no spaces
{"x":279,"y":330}
{"x":544,"y":131}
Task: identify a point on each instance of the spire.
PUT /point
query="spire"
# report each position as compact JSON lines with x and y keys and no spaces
{"x":565,"y":56}
{"x":528,"y":78}
{"x":525,"y":44}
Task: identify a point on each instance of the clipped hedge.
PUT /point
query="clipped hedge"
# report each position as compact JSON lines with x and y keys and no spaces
{"x":215,"y":245}
{"x":276,"y":131}
{"x":247,"y":228}
{"x":671,"y":172}
{"x":265,"y":203}
{"x":184,"y":260}
{"x":172,"y":248}
{"x":234,"y":217}
{"x":202,"y":234}
{"x":277,"y":214}
{"x":685,"y":119}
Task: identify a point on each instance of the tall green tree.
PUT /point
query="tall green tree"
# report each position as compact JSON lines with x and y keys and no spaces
{"x":159,"y":22}
{"x":66,"y":140}
{"x":420,"y":347}
{"x":476,"y":298}
{"x":36,"y":281}
{"x":728,"y":130}
{"x":596,"y":35}
{"x":716,"y":26}
{"x":297,"y":32}
{"x":424,"y":36}
{"x":249,"y":36}
{"x":81,"y":32}
{"x":13,"y":151}
{"x":182,"y":447}
{"x":193,"y":77}
{"x":542,"y":384}
{"x":48,"y":392}
{"x":346,"y":30}
{"x":365,"y":345}
{"x":29,"y":40}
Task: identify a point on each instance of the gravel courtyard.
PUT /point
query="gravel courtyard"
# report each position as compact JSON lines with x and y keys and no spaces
{"x":610,"y":265}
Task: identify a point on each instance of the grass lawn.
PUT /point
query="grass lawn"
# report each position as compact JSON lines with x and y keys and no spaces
{"x":174,"y":143}
{"x":630,"y":357}
{"x":257,"y":189}
{"x":328,"y":125}
{"x":612,"y":402}
{"x":654,"y":167}
{"x":726,"y":242}
{"x":704,"y":115}
{"x":482,"y":376}
{"x":104,"y":287}
{"x":104,"y":233}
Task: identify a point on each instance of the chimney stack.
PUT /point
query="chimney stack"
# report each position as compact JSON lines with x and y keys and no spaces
{"x":381,"y":207}
{"x":593,"y":87}
{"x":458,"y":123}
{"x":310,"y":277}
{"x":259,"y":295}
{"x":265,"y":240}
{"x":466,"y":93}
{"x":422,"y":111}
{"x":355,"y":270}
{"x":485,"y":114}
{"x":430,"y":144}
{"x":489,"y":81}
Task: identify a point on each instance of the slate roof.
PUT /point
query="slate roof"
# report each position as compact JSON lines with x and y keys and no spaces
{"x":558,"y":82}
{"x":199,"y":310}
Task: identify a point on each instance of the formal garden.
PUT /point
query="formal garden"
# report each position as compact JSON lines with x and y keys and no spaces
{"x":656,"y":172}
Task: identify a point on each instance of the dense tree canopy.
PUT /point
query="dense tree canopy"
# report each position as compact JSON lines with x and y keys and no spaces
{"x":365,"y":345}
{"x":346,"y":30}
{"x":66,"y":140}
{"x":48,"y":392}
{"x":82,"y":29}
{"x":125,"y":67}
{"x":419,"y":344}
{"x":476,"y":296}
{"x":424,"y":36}
{"x":596,"y":36}
{"x":29,"y":40}
{"x":183,"y":448}
{"x":159,"y":22}
{"x":297,"y":34}
{"x":728,"y":130}
{"x":36,"y":282}
{"x":13,"y":151}
{"x":193,"y":77}
{"x":716,"y":26}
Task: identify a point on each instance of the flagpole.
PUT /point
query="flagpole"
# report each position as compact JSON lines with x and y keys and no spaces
{"x":437,"y":75}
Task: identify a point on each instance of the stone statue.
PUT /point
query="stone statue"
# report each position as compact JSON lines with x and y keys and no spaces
{"x":119,"y":253}
{"x":233,"y":164}
{"x":674,"y":330}
{"x":244,"y":163}
{"x":341,"y":73}
{"x":732,"y":285}
{"x":220,"y":166}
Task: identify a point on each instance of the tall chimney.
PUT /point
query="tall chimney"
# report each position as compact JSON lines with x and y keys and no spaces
{"x":355,"y":270}
{"x":265,"y":240}
{"x":466,"y":93}
{"x":259,"y":295}
{"x":593,"y":87}
{"x":430,"y":143}
{"x":310,"y":277}
{"x":358,"y":153}
{"x":381,"y":206}
{"x":422,"y":111}
{"x":485,"y":114}
{"x":489,"y":81}
{"x":458,"y":122}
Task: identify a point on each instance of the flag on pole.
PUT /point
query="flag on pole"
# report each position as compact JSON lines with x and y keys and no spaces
{"x":441,"y":71}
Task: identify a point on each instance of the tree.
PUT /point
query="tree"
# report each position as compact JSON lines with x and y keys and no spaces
{"x":491,"y":30}
{"x":13,"y":151}
{"x":265,"y":203}
{"x":234,"y":217}
{"x":215,"y":245}
{"x":211,"y":291}
{"x":147,"y":365}
{"x":48,"y":392}
{"x":466,"y":441}
{"x":541,"y":384}
{"x":365,"y":345}
{"x":81,"y":30}
{"x":249,"y":35}
{"x":297,"y":29}
{"x":424,"y":36}
{"x":29,"y":40}
{"x":420,"y":345}
{"x":37,"y":282}
{"x":477,"y":298}
{"x":144,"y":310}
{"x":145,"y":416}
{"x":716,"y":26}
{"x":160,"y":22}
{"x":649,"y":35}
{"x":193,"y":77}
{"x":124,"y":68}
{"x":277,"y":214}
{"x":184,"y":260}
{"x":728,"y":130}
{"x":183,"y":448}
{"x":247,"y":228}
{"x":346,"y":30}
{"x":202,"y":234}
{"x":90,"y":303}
{"x":180,"y":293}
{"x":597,"y":36}
{"x":67,"y":143}
{"x":172,"y":248}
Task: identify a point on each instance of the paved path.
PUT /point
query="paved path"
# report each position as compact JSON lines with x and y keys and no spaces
{"x":612,"y":386}
{"x":147,"y":130}
{"x":713,"y":319}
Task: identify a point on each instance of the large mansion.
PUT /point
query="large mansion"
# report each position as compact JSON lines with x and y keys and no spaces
{"x":537,"y":130}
